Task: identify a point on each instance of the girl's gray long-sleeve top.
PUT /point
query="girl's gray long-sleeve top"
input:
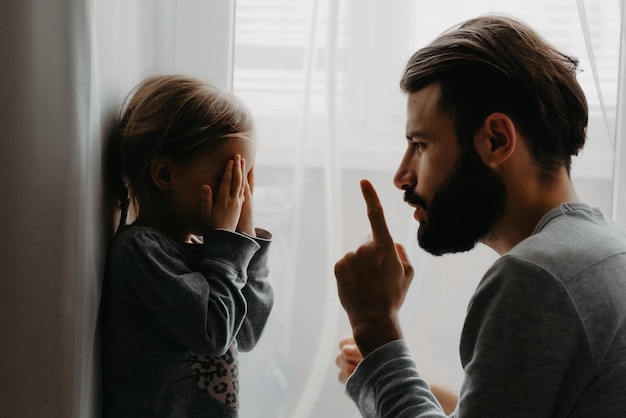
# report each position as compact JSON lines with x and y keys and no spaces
{"x":174,"y":318}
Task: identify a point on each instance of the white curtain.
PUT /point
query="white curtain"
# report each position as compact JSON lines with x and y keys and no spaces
{"x":321,"y":77}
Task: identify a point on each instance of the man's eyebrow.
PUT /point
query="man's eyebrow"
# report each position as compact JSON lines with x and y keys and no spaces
{"x":417,"y":134}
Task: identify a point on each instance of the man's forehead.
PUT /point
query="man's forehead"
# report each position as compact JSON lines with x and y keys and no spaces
{"x":423,"y":105}
{"x":427,"y":96}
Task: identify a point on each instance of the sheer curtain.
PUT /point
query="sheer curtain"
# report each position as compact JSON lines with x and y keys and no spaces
{"x":321,"y":77}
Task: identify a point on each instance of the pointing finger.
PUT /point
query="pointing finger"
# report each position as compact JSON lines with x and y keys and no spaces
{"x":380,"y":231}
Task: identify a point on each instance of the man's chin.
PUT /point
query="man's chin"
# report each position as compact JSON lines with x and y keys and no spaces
{"x":437,"y":246}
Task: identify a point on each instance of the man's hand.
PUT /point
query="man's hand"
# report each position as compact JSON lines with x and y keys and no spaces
{"x":348,"y":358}
{"x":225,"y":212}
{"x":372,"y":282}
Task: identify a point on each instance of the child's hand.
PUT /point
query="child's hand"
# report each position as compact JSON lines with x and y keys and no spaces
{"x":225,"y":212}
{"x":348,"y":358}
{"x":246,"y":222}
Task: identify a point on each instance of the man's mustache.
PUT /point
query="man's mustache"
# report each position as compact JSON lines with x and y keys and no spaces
{"x":415,"y":199}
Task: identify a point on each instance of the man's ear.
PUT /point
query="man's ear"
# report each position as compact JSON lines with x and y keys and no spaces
{"x":495,"y":142}
{"x":161,"y":173}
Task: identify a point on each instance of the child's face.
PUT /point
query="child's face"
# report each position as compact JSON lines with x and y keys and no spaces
{"x":207,"y":168}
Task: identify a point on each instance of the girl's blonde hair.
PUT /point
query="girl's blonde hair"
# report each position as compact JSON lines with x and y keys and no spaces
{"x":171,"y":116}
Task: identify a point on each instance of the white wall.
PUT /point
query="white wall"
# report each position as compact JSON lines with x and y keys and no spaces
{"x":65,"y":66}
{"x":39,"y":178}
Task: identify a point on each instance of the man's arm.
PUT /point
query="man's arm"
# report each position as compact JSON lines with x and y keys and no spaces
{"x":349,"y":358}
{"x":372,"y":281}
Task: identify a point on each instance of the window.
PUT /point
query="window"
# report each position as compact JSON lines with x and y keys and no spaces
{"x":322,"y":78}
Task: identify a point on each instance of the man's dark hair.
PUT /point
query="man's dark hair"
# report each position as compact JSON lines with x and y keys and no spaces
{"x":498,"y":64}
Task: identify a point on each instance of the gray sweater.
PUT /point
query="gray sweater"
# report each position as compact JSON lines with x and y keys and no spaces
{"x":544,"y":336}
{"x":175,"y":316}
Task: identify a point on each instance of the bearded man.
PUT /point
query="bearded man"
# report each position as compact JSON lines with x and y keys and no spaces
{"x":495,"y":115}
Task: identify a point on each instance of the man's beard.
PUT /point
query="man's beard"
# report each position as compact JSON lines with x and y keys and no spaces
{"x":464,"y":209}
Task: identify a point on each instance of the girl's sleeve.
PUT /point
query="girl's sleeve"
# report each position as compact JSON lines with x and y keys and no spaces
{"x":258,"y":293}
{"x":202,"y":310}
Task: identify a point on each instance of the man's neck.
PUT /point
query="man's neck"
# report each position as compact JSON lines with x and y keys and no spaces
{"x":527,"y":203}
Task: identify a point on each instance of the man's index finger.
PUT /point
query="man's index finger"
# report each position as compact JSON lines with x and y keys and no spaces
{"x":380,"y":231}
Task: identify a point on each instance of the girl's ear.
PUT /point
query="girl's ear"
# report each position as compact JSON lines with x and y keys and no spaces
{"x":496,"y":141}
{"x":161,"y":173}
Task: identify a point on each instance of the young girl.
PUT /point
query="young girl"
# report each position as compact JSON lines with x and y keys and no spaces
{"x":186,"y":283}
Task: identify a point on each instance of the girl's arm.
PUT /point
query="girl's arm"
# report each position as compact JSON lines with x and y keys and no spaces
{"x":199,"y":305}
{"x":202,"y":310}
{"x":258,"y":293}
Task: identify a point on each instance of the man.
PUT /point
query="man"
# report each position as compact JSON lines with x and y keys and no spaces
{"x":494,"y":116}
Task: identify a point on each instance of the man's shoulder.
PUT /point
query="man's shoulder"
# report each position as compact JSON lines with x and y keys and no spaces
{"x":578,"y":251}
{"x":570,"y":238}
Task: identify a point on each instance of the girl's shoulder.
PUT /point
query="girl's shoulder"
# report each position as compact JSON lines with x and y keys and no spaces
{"x":140,"y":245}
{"x":142,"y":237}
{"x":138,"y":232}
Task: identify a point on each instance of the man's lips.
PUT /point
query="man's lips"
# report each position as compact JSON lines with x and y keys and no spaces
{"x":419,"y":214}
{"x":419,"y":204}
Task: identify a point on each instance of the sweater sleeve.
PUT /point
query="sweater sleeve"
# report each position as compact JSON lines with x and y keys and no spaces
{"x":258,"y":294}
{"x":202,"y":310}
{"x":387,"y":384}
